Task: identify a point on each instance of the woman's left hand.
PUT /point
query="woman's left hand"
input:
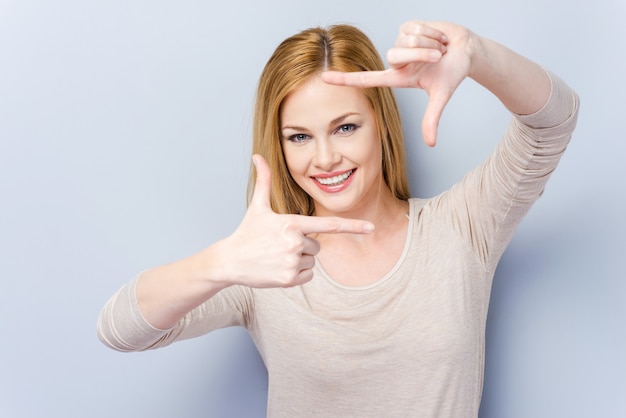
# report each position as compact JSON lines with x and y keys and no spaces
{"x":434,"y":56}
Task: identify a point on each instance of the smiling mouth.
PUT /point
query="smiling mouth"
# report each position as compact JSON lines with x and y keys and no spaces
{"x":335,"y":180}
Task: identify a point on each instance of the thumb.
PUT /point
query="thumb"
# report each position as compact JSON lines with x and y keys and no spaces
{"x":263,"y":184}
{"x":432,"y":115}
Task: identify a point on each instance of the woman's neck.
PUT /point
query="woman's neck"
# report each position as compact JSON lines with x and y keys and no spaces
{"x":386,"y":212}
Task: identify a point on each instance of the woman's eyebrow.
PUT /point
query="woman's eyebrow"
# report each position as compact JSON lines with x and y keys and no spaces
{"x":342,"y":117}
{"x":335,"y":121}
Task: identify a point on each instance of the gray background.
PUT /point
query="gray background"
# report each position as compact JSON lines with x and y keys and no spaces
{"x":124,"y":143}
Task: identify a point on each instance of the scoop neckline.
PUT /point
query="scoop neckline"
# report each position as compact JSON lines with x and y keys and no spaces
{"x":389,"y":274}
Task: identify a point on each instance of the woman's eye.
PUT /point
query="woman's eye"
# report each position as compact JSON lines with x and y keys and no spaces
{"x":347,"y":128}
{"x":298,"y":138}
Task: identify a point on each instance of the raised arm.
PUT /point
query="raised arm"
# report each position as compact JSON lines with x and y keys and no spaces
{"x":438,"y":56}
{"x":266,"y":250}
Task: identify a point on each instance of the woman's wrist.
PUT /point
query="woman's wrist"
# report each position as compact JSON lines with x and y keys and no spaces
{"x":521,"y":85}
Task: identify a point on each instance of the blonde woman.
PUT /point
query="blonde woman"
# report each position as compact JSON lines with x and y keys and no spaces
{"x":361,"y":300}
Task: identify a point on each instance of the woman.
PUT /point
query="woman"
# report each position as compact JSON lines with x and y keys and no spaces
{"x":352,"y":319}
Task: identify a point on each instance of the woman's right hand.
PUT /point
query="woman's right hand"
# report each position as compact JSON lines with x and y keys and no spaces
{"x":275,"y":250}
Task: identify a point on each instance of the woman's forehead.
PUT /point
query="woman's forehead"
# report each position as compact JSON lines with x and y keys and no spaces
{"x":316,"y":100}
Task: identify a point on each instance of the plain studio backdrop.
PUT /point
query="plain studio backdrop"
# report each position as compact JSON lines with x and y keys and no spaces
{"x":125,"y":143}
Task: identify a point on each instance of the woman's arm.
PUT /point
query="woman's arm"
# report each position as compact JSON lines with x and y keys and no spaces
{"x":491,"y":200}
{"x":520,"y":84}
{"x":266,"y":250}
{"x":166,"y":293}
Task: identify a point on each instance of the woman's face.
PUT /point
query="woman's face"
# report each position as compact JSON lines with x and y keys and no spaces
{"x":331,"y":146}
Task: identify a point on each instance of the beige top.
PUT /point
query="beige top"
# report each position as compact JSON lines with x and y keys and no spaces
{"x":411,"y":344}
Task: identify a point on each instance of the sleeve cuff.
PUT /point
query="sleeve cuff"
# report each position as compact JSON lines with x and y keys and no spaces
{"x":561,"y":105}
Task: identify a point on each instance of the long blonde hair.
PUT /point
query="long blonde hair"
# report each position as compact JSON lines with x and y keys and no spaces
{"x":297,"y":59}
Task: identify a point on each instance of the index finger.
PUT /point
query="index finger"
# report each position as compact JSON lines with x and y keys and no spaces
{"x":359,"y":78}
{"x":332,"y":225}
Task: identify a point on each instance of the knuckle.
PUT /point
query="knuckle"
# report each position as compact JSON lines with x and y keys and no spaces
{"x":419,"y":26}
{"x":293,"y":245}
{"x":288,"y":225}
{"x":291,"y":263}
{"x":286,"y":279}
{"x":333,"y":225}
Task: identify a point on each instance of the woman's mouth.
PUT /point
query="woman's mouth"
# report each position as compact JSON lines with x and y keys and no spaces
{"x":334,"y":180}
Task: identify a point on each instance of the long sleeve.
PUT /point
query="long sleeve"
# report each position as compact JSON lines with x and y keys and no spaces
{"x":491,"y":200}
{"x":122,"y":327}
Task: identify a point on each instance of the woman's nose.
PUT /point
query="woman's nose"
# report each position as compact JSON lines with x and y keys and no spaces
{"x":326,"y":156}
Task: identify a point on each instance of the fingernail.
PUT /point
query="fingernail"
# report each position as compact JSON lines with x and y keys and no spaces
{"x":368,"y":227}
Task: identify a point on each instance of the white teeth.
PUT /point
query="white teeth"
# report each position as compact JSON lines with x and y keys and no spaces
{"x":335,"y":180}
